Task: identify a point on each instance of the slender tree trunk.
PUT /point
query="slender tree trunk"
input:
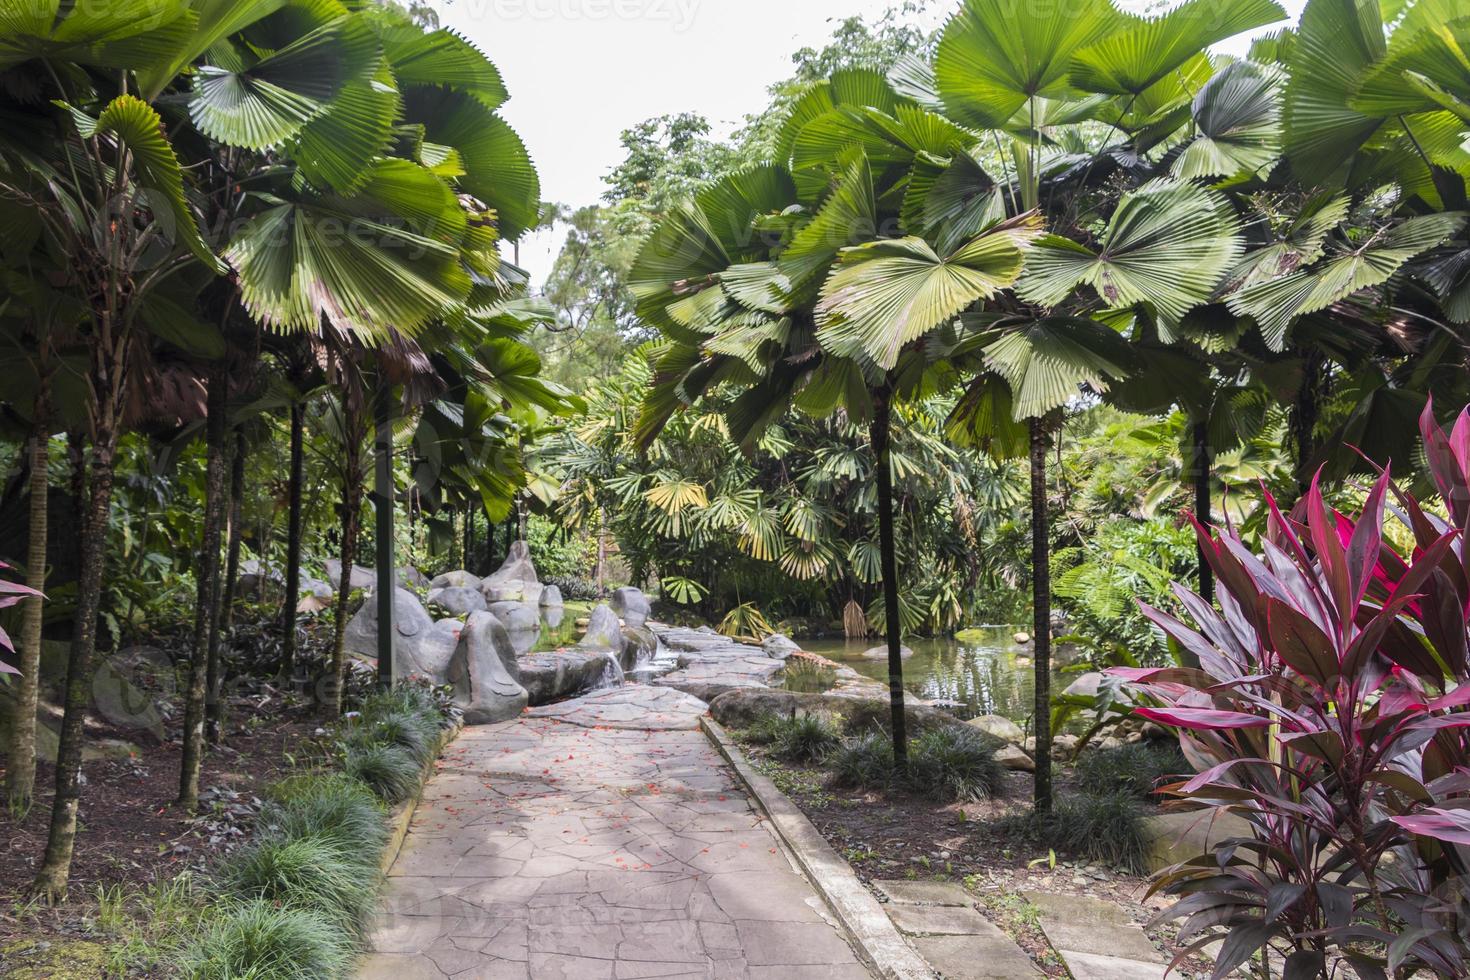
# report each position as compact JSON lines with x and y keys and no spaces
{"x":1303,"y":419}
{"x":287,"y":667}
{"x":203,"y":681}
{"x":51,"y":879}
{"x":236,"y":519}
{"x":879,"y":434}
{"x":383,"y":532}
{"x":21,"y":766}
{"x":351,"y":506}
{"x":1203,"y":501}
{"x":1041,"y":607}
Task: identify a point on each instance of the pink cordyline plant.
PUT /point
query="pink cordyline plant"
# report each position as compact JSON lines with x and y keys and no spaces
{"x":11,"y":594}
{"x":1329,"y":710}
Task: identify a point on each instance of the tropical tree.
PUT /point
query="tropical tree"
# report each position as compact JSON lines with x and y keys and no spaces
{"x":804,"y":283}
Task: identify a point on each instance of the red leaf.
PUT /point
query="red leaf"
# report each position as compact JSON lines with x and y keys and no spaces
{"x":1451,"y":826}
{"x":1202,"y":719}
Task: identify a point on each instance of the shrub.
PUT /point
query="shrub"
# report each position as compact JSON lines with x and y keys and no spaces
{"x":258,"y":940}
{"x":805,"y":738}
{"x":1328,"y":710}
{"x":337,"y":882}
{"x":389,"y":771}
{"x":1134,"y":769}
{"x":954,"y":765}
{"x":765,"y":729}
{"x":333,"y":808}
{"x":807,"y":676}
{"x":864,"y":761}
{"x":1106,"y":828}
{"x":417,"y":734}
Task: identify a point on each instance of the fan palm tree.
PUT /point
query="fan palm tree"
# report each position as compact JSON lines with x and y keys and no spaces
{"x":808,"y":283}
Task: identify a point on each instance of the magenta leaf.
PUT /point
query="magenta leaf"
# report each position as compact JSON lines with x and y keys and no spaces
{"x":1451,"y":826}
{"x":1202,"y":719}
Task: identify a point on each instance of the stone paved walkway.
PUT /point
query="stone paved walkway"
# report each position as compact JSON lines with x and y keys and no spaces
{"x":548,"y":851}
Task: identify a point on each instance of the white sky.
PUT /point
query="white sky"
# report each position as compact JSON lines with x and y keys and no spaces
{"x":582,"y":71}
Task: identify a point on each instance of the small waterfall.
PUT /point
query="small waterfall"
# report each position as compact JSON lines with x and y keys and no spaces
{"x":612,"y":672}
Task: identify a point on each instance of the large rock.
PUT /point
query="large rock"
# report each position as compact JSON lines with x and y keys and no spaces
{"x":1000,"y":727}
{"x":881,"y":653}
{"x":640,"y":646}
{"x":362,"y":578}
{"x":778,"y":646}
{"x":434,"y":652}
{"x":551,"y":598}
{"x":255,"y":577}
{"x":560,"y":674}
{"x":484,"y":688}
{"x":515,"y":581}
{"x":1014,"y":759}
{"x":411,"y":578}
{"x":604,"y":632}
{"x":631,"y":605}
{"x":411,"y":626}
{"x":517,"y":617}
{"x":456,"y":580}
{"x":458,"y":600}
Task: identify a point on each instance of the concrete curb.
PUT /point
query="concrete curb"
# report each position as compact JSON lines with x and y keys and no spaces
{"x":874,"y":936}
{"x":402,"y":814}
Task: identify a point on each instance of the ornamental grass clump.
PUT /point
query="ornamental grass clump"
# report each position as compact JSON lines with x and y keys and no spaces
{"x":955,"y":765}
{"x":390,"y":771}
{"x":339,"y":883}
{"x":1137,"y":770}
{"x":331,"y":808}
{"x":260,"y":940}
{"x":1328,"y":710}
{"x":865,"y":761}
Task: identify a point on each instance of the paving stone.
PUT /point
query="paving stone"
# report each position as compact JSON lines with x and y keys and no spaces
{"x":939,"y":920}
{"x":992,"y":957}
{"x":923,"y":892}
{"x":547,"y":850}
{"x":1096,"y":938}
{"x":633,"y":708}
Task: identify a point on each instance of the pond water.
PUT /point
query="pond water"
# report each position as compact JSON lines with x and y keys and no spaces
{"x":985,"y":673}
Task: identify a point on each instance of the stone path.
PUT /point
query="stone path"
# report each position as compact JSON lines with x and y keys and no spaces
{"x":1096,"y":939}
{"x":553,"y":851}
{"x":942,"y":924}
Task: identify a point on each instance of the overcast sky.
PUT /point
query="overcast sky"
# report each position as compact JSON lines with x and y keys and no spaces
{"x":582,"y":71}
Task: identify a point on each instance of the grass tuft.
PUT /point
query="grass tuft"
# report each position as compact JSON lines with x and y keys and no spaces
{"x":331,"y":808}
{"x":865,"y":761}
{"x":388,"y":770}
{"x":318,"y":876}
{"x":955,"y":765}
{"x":258,"y":940}
{"x":1133,"y":769}
{"x":1106,"y":828}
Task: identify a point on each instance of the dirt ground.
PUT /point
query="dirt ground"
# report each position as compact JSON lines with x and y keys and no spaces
{"x":887,"y":836}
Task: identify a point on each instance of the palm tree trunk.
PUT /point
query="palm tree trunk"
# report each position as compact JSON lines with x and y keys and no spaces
{"x":351,"y":505}
{"x":878,"y":434}
{"x":287,"y":667}
{"x":203,"y":662}
{"x":21,"y":765}
{"x":236,"y":518}
{"x":1203,"y":502}
{"x":51,"y":880}
{"x":1041,"y":608}
{"x":1303,"y":418}
{"x":383,"y":533}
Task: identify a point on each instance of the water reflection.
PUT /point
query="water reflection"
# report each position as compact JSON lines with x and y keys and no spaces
{"x":988,"y":673}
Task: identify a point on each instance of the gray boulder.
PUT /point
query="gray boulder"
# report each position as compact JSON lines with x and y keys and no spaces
{"x":362,"y":578}
{"x":484,"y":687}
{"x":631,"y":605}
{"x":551,"y":598}
{"x":604,"y":632}
{"x":458,"y":600}
{"x":640,"y":646}
{"x":1014,"y":759}
{"x":517,"y":617}
{"x":434,"y":652}
{"x":456,"y":580}
{"x":411,"y":625}
{"x":881,"y":653}
{"x":515,"y":580}
{"x":256,"y":577}
{"x":1000,"y":727}
{"x":556,"y":675}
{"x":411,"y":578}
{"x":779,"y":647}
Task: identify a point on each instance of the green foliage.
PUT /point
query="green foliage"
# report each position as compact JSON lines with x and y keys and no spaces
{"x":864,"y":762}
{"x":808,"y":676}
{"x":1108,"y":828}
{"x":801,"y":739}
{"x":333,"y":808}
{"x":336,"y":881}
{"x":259,"y":939}
{"x":1137,"y":769}
{"x":391,"y":772}
{"x":955,"y":764}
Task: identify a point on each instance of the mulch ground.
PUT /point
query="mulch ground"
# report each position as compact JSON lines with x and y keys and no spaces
{"x":132,"y":834}
{"x":888,"y":836}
